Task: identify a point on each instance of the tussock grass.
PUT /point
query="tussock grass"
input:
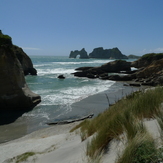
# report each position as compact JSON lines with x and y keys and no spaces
{"x":141,"y":149}
{"x":125,"y":116}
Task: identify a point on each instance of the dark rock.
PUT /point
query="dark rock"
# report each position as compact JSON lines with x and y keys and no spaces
{"x":83,"y":68}
{"x":110,"y":67}
{"x":116,"y":66}
{"x":83,"y":54}
{"x":131,"y":56}
{"x":119,"y":77}
{"x":150,"y":71}
{"x":91,"y":76}
{"x":135,"y":84}
{"x":25,"y":61}
{"x":81,"y":74}
{"x":113,"y":53}
{"x":15,"y":96}
{"x":147,"y":59}
{"x":61,"y":77}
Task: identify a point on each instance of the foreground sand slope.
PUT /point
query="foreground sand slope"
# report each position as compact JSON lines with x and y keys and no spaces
{"x":57,"y":144}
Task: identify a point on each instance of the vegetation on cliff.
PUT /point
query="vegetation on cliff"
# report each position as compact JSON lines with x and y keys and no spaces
{"x":5,"y":39}
{"x":152,"y":56}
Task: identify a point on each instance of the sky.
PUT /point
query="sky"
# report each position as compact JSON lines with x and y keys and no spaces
{"x":56,"y":27}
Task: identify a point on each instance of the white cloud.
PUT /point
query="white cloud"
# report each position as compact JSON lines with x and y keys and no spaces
{"x":29,"y":48}
{"x":159,"y":50}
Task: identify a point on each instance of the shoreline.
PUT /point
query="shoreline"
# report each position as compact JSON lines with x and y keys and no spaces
{"x":93,"y":104}
{"x":56,"y":143}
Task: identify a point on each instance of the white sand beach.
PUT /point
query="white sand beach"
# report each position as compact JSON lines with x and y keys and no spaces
{"x":57,"y":144}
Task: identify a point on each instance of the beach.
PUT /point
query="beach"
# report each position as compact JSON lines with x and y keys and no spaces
{"x":93,"y":104}
{"x":56,"y":142}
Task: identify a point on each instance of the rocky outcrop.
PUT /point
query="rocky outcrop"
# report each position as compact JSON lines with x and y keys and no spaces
{"x":101,"y":53}
{"x":146,"y":60}
{"x":15,"y":96}
{"x":25,"y":61}
{"x":151,"y":74}
{"x":110,"y":67}
{"x":150,"y":71}
{"x":131,"y":56}
{"x":83,"y":54}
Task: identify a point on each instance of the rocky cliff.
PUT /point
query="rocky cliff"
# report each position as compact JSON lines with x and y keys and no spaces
{"x":24,"y":60}
{"x":15,"y":96}
{"x":113,"y":53}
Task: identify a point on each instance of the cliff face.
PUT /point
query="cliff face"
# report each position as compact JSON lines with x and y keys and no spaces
{"x":14,"y":92}
{"x":25,"y":61}
{"x":15,"y":96}
{"x":114,"y":53}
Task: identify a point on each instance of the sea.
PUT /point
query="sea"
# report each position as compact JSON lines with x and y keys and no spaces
{"x":57,"y":95}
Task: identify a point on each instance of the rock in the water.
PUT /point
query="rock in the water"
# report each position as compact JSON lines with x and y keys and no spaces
{"x":113,"y":53}
{"x":116,"y":66}
{"x":61,"y":77}
{"x":83,"y":54}
{"x":110,"y":67}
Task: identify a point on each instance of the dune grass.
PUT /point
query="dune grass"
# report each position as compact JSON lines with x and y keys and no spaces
{"x":141,"y":149}
{"x":126,"y":116}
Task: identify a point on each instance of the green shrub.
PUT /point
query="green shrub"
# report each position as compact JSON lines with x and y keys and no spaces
{"x":5,"y":39}
{"x":151,"y":56}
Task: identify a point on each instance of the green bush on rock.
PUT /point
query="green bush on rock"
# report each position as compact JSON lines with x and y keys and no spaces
{"x":5,"y":39}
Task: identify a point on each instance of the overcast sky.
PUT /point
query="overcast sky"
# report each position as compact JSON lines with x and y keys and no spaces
{"x":55,"y":27}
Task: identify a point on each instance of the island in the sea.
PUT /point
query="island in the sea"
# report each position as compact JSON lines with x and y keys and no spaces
{"x":99,"y":53}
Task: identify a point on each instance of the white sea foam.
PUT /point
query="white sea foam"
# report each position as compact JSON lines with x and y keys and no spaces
{"x":72,"y":94}
{"x":89,"y":62}
{"x":54,"y":71}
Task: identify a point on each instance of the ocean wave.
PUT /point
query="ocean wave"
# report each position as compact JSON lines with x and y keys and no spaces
{"x":72,"y":94}
{"x":89,"y":62}
{"x":54,"y":71}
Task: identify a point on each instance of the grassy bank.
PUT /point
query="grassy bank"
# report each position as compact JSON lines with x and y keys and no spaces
{"x":126,"y":118}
